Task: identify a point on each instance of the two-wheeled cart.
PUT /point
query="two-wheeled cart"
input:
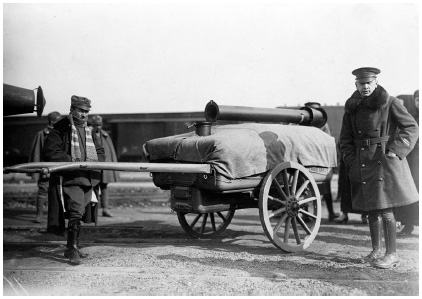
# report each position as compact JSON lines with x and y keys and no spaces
{"x":210,"y":173}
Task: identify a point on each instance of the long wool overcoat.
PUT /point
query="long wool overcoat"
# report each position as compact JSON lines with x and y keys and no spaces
{"x":108,"y":176}
{"x":57,"y":148}
{"x":378,"y":181}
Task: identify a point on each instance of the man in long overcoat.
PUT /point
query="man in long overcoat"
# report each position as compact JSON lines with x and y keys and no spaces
{"x":107,"y":176}
{"x":409,"y":215}
{"x":35,"y":156}
{"x":71,"y":193}
{"x":376,"y":136}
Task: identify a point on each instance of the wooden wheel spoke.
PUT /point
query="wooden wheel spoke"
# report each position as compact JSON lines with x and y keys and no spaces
{"x":294,"y":183}
{"x":306,"y":200}
{"x":276,"y":199}
{"x":287,"y":230}
{"x":195,"y":220}
{"x":276,"y":212}
{"x":286,"y":182}
{"x":221,"y":216}
{"x":280,"y":222}
{"x":213,"y":222}
{"x":307,"y":213}
{"x":302,"y":188}
{"x":279,"y":190}
{"x":295,"y":230}
{"x":204,"y":223}
{"x":304,"y":226}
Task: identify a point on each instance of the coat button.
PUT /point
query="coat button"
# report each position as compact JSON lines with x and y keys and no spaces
{"x":364,"y":183}
{"x":380,"y":179}
{"x":379,"y":162}
{"x":379,"y":145}
{"x":363,"y":165}
{"x":376,"y":129}
{"x":359,"y":132}
{"x":363,"y":148}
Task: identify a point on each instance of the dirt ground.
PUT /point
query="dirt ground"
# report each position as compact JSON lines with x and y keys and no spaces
{"x":144,"y":251}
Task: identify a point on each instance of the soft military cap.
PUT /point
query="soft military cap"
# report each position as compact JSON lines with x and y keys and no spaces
{"x":53,"y":116}
{"x":81,"y":102}
{"x":365,"y":73}
{"x":97,"y":120}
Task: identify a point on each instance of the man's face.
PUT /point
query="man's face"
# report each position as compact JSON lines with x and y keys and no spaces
{"x":417,"y":102}
{"x":53,"y":121}
{"x":80,"y":113}
{"x":366,"y":87}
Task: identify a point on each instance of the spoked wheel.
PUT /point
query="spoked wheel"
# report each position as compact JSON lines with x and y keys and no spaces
{"x":205,"y":226}
{"x":290,"y":207}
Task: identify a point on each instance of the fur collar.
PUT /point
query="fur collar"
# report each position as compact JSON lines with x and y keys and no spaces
{"x":376,"y":100}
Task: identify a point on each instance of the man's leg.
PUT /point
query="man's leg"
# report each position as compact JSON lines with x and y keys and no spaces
{"x":75,"y":202}
{"x":104,"y":200}
{"x":41,"y":198}
{"x":375,"y":229}
{"x":390,"y":258}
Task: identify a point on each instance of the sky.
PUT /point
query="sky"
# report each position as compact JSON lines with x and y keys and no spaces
{"x":176,"y":56}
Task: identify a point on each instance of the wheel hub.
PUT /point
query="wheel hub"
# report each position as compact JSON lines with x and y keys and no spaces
{"x":292,"y":206}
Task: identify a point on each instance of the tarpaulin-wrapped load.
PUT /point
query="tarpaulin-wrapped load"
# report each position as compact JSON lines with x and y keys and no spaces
{"x":249,"y":149}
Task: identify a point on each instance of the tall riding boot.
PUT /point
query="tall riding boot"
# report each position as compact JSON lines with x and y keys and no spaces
{"x":375,"y":228}
{"x":390,"y":258}
{"x":81,"y":254}
{"x":71,"y":251}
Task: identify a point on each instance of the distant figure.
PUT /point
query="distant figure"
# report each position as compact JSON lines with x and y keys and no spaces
{"x":325,"y":188}
{"x":409,"y":215}
{"x":108,"y":176}
{"x":35,"y":156}
{"x":377,"y":134}
{"x":71,"y":194}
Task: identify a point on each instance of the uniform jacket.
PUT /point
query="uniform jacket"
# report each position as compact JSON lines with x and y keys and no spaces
{"x":108,"y":176}
{"x":378,"y":181}
{"x":57,"y":149}
{"x":35,"y":155}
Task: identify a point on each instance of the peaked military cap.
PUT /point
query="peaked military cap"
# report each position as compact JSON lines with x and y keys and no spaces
{"x":365,"y":73}
{"x":81,"y":102}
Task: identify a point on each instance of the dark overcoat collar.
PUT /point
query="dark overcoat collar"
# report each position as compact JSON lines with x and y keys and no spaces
{"x":376,"y":100}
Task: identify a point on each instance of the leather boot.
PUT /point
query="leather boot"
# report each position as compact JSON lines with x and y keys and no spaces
{"x":81,"y":254}
{"x":71,"y":251}
{"x":70,"y":242}
{"x":375,"y":228}
{"x":390,"y":258}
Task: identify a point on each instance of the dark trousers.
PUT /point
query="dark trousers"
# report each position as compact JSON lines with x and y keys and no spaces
{"x":76,"y":198}
{"x":104,"y":195}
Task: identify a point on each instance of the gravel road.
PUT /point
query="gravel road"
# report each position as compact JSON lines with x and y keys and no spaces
{"x":144,"y":251}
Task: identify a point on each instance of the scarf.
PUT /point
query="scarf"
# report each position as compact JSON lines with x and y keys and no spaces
{"x":75,"y":146}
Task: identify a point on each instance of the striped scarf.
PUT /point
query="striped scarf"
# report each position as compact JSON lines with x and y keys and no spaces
{"x":75,"y":151}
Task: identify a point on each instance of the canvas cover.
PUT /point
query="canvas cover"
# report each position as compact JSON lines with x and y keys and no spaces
{"x":242,"y":150}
